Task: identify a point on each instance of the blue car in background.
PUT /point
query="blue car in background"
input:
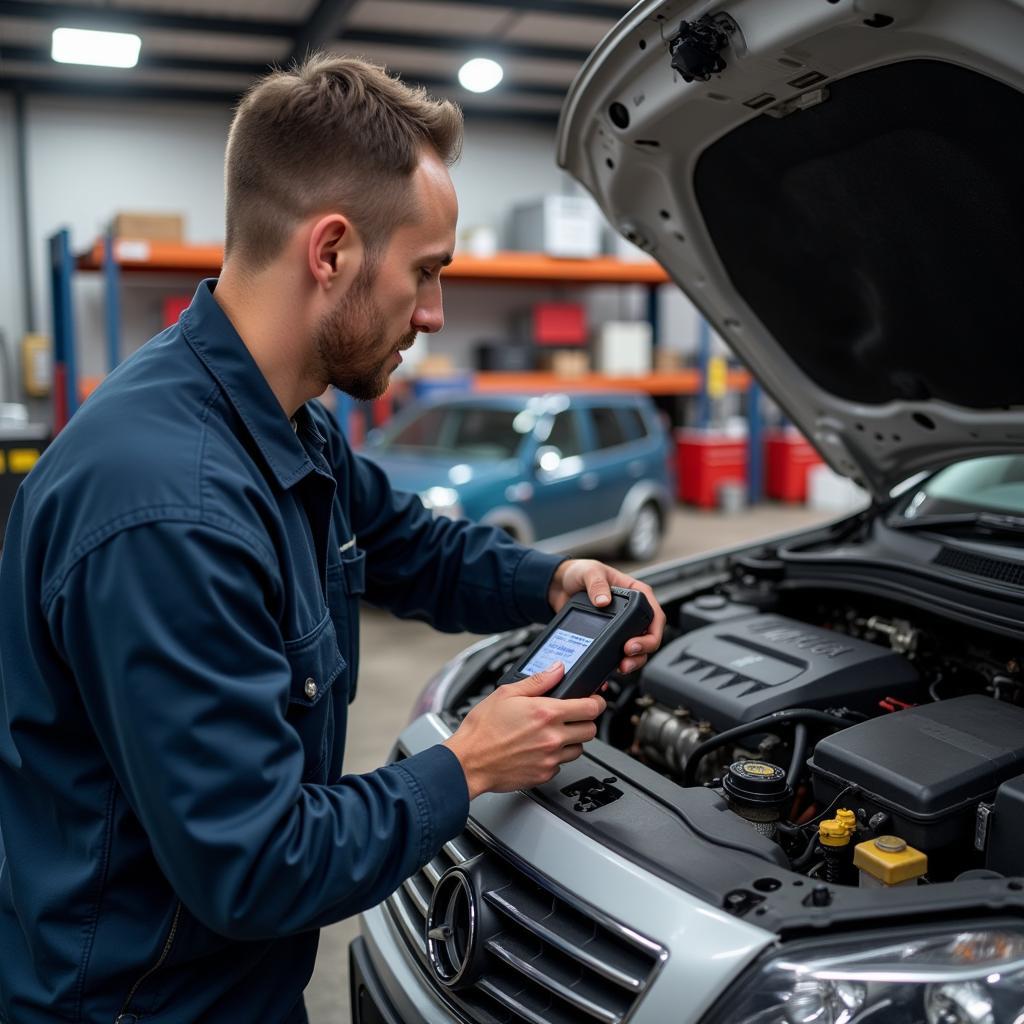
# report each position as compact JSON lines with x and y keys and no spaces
{"x":579,"y":472}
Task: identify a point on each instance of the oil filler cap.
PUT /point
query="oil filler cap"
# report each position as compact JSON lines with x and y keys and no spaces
{"x":756,"y":783}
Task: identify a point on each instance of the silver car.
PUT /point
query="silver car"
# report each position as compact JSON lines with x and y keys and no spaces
{"x":809,"y":806}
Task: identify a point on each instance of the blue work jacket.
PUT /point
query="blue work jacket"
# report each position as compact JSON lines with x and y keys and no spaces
{"x":178,"y":648}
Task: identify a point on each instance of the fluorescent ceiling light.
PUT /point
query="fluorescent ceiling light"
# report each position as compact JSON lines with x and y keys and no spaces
{"x":480,"y":74}
{"x":105,"y":49}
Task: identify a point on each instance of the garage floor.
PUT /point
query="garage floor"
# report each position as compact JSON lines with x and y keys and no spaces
{"x":394,"y":660}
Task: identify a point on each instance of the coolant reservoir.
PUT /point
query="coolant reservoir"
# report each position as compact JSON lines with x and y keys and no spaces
{"x":888,"y":860}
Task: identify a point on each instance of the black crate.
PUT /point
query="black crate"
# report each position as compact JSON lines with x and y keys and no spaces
{"x":19,"y":451}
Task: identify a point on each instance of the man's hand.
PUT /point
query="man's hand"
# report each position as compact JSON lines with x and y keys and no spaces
{"x":515,"y":738}
{"x":597,"y":579}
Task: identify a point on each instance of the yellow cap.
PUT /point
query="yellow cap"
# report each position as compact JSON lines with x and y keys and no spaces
{"x":890,"y":860}
{"x":837,"y":831}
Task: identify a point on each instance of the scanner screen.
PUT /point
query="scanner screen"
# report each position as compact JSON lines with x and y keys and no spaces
{"x":575,"y":634}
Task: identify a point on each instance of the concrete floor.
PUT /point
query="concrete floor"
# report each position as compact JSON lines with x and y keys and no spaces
{"x":397,"y":658}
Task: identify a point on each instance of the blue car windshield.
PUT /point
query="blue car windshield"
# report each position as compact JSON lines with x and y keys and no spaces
{"x":470,"y":432}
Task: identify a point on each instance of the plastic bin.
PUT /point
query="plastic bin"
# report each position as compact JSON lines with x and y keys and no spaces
{"x":706,"y":460}
{"x":789,"y":457}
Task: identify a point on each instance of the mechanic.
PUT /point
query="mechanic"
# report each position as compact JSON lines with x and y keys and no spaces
{"x":180,"y":584}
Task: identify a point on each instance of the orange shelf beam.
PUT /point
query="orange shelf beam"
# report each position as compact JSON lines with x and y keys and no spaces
{"x":532,"y":268}
{"x":156,"y":257}
{"x":675,"y":382}
{"x":524,"y":267}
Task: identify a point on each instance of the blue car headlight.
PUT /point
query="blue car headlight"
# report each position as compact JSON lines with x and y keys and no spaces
{"x":966,"y":975}
{"x":442,"y":501}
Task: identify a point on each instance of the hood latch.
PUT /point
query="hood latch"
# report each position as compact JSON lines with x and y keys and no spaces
{"x":696,"y":50}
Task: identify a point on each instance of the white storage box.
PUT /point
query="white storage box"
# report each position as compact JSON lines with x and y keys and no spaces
{"x":827,"y":491}
{"x":566,"y":226}
{"x":624,"y":348}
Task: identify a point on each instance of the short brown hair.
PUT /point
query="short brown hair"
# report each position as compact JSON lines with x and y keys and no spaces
{"x":330,"y":133}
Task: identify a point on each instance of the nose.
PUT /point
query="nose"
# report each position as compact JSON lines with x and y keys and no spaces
{"x":428,"y":316}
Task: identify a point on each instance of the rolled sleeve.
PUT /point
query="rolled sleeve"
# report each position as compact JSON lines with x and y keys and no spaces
{"x":443,"y":797}
{"x":532,"y":581}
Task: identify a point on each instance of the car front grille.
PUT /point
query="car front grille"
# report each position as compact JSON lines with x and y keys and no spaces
{"x":552,"y":961}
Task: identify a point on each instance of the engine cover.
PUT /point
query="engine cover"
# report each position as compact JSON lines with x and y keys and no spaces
{"x":736,"y":671}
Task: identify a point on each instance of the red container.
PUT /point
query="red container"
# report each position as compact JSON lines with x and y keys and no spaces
{"x":705,"y":461}
{"x":788,"y":458}
{"x":174,"y":306}
{"x":559,"y":323}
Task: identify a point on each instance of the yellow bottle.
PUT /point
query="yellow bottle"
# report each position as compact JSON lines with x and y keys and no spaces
{"x":36,"y":365}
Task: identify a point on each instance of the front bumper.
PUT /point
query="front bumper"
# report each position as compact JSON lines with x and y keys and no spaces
{"x":704,"y":948}
{"x":368,"y":999}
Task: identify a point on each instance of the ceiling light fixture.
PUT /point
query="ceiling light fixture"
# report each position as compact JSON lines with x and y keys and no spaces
{"x":480,"y":74}
{"x":104,"y":49}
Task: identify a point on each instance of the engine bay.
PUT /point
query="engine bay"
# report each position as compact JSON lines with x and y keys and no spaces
{"x":869,"y":743}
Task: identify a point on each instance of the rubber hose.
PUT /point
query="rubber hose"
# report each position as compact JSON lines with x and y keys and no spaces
{"x":796,"y":761}
{"x":759,"y":725}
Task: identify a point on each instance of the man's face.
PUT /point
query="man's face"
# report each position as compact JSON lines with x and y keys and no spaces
{"x":396,"y":295}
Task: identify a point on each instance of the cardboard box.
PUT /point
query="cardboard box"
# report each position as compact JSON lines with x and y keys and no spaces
{"x":153,"y":227}
{"x":667,"y":360}
{"x":565,"y":363}
{"x":566,"y":226}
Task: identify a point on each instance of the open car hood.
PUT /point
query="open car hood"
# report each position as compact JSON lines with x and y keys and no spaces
{"x":842,"y":198}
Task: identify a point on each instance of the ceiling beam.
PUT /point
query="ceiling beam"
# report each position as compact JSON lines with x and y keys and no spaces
{"x":147,"y":62}
{"x":253,"y":69}
{"x":221,"y":97}
{"x":466,"y":44}
{"x":324,"y":24}
{"x":569,"y":8}
{"x":118,"y":18}
{"x":122,"y":19}
{"x":117,"y":90}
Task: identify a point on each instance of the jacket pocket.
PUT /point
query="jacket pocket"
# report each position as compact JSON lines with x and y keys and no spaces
{"x":127,"y":1015}
{"x":316,"y":663}
{"x":346,"y":583}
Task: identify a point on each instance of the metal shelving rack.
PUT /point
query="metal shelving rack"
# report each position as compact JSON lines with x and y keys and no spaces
{"x":114,"y":257}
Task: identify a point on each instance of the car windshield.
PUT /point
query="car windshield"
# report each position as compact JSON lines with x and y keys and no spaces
{"x":991,"y":484}
{"x":471,"y":432}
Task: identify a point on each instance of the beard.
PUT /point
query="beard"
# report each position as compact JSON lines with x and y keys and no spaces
{"x":353,"y":350}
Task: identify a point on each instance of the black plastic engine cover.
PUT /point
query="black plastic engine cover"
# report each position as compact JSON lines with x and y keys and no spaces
{"x":733,"y":672}
{"x":928,"y":767}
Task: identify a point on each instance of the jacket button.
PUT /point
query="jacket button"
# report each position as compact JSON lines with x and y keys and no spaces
{"x":310,"y":688}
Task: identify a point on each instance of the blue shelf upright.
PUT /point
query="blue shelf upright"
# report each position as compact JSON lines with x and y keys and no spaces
{"x":112,"y":301}
{"x":65,"y":376}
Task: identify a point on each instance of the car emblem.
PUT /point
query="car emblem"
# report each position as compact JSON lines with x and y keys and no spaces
{"x":452,"y":925}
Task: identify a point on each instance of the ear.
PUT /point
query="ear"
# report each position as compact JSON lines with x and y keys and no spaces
{"x":334,"y":251}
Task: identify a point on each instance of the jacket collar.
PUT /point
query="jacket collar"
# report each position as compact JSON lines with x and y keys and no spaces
{"x":218,"y":345}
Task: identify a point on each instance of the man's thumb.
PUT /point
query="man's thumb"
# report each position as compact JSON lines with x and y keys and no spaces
{"x":540,"y":682}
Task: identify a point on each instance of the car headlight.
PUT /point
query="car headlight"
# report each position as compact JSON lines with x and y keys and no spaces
{"x":971,"y":975}
{"x":442,"y":501}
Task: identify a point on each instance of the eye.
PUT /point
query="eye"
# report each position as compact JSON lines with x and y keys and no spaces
{"x":430,"y":273}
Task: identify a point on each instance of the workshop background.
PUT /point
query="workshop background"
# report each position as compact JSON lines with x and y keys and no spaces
{"x":111,"y":195}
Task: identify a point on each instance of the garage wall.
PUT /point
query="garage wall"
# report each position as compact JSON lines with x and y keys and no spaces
{"x":12,"y":318}
{"x":90,"y":157}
